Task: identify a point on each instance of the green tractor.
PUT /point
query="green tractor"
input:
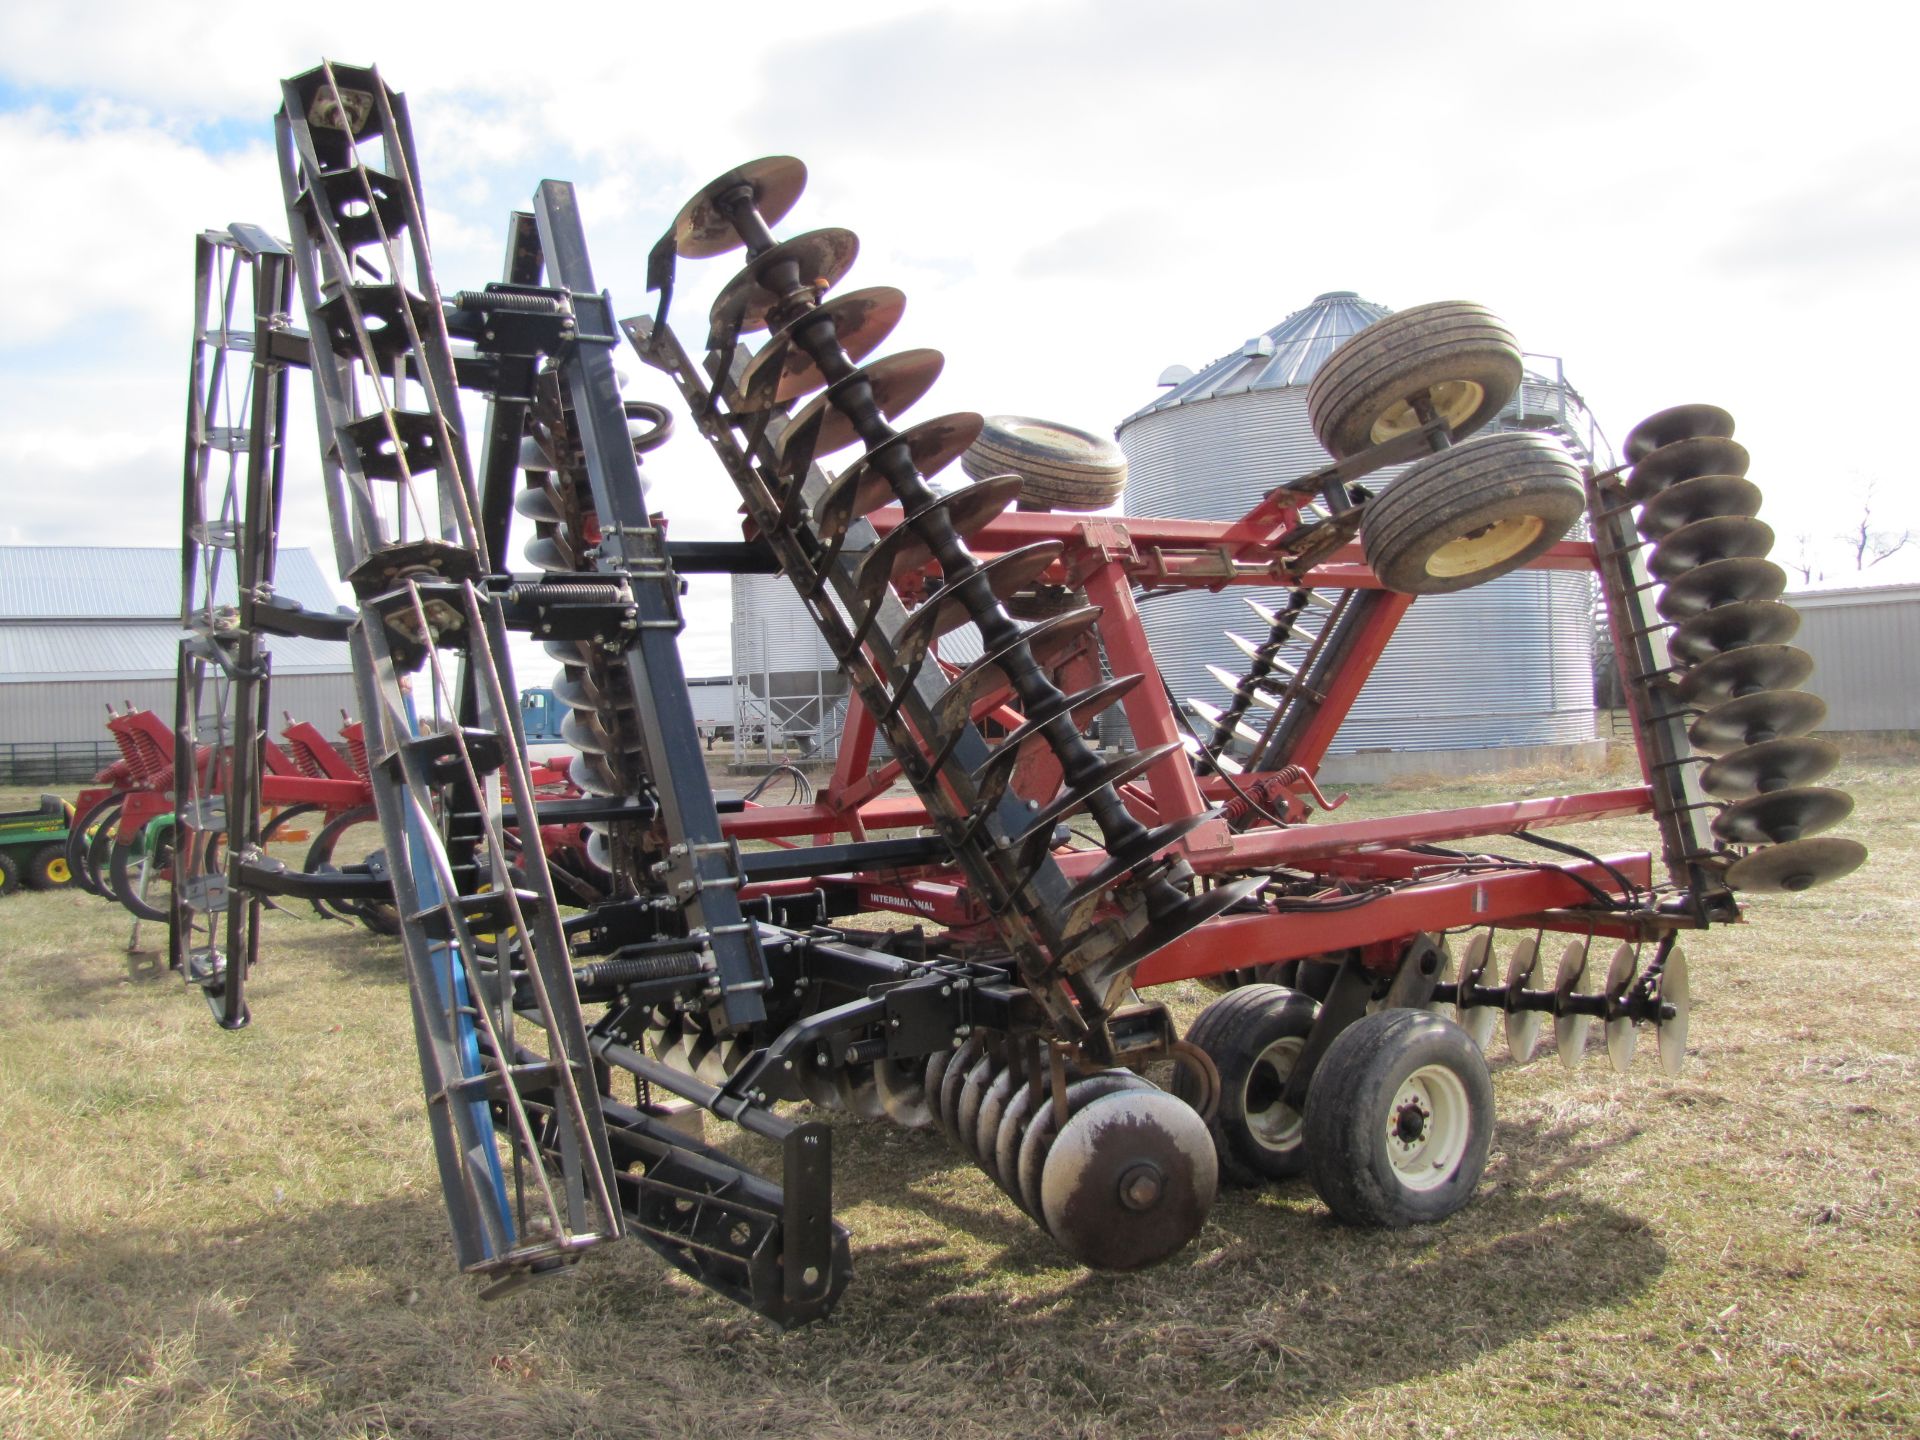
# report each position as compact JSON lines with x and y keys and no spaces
{"x":33,"y":846}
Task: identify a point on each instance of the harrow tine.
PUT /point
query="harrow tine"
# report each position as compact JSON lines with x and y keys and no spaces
{"x":1213,"y":715}
{"x":1252,"y":651}
{"x":1261,"y":693}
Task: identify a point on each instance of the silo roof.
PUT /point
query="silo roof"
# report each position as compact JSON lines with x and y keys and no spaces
{"x":1288,"y":354}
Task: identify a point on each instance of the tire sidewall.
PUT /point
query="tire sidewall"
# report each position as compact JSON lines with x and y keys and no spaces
{"x":1351,"y":1102}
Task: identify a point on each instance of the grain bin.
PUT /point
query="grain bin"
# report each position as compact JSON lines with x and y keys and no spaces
{"x":1483,"y":679}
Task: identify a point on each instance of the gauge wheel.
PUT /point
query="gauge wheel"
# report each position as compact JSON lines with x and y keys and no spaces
{"x":1471,"y":514}
{"x":1399,"y":1120}
{"x":1456,"y":354}
{"x":47,"y":868}
{"x":1253,"y":1036}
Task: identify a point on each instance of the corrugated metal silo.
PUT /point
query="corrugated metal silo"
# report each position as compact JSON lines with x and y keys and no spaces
{"x":787,"y":686}
{"x":1506,"y":664}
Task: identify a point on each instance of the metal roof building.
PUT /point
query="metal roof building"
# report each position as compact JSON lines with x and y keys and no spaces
{"x":85,"y":627}
{"x":1504,"y":669}
{"x":1865,"y":643}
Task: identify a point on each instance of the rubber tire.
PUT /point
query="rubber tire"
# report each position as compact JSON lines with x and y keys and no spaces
{"x":78,"y":839}
{"x":1234,"y":1031}
{"x":40,"y":868}
{"x":1394,"y":359}
{"x":1447,"y":497}
{"x":1351,"y":1102}
{"x":9,"y":873}
{"x":1064,"y":468}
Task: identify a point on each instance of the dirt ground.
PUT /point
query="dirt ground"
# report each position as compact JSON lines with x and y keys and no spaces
{"x":211,"y":1234}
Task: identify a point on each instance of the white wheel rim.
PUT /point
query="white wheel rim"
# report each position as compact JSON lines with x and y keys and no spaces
{"x":1271,"y":1122}
{"x":1486,"y":547}
{"x":1428,"y":1127}
{"x":1453,"y":400}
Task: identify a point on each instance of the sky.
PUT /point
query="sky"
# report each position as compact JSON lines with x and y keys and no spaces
{"x":1686,"y":201}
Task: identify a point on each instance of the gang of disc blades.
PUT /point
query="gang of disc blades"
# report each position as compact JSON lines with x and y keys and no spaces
{"x":784,"y":370}
{"x":1720,"y":582}
{"x":1782,"y":815}
{"x":1743,"y":671}
{"x":1727,"y":627}
{"x":1721,"y":537}
{"x":1700,"y":498}
{"x":1749,"y":719}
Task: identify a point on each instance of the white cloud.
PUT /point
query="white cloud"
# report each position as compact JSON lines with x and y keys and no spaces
{"x":1685,"y":202}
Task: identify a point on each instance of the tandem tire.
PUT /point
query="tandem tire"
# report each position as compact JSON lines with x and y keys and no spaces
{"x":47,"y":868}
{"x":1472,"y":513}
{"x":1456,"y":353}
{"x":1253,"y":1036}
{"x":1399,"y":1120}
{"x":1063,"y":468}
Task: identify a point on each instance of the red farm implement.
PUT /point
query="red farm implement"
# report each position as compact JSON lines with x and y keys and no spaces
{"x":1054,"y":884}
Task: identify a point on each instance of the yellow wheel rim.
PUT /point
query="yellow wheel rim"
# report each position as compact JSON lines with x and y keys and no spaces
{"x":1453,"y":400}
{"x":1486,"y":547}
{"x":58,"y":872}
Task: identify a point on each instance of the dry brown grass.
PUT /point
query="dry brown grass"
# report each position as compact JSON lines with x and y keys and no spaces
{"x":205,"y":1234}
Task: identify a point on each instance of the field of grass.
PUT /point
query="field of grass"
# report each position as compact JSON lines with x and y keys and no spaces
{"x":211,"y":1234}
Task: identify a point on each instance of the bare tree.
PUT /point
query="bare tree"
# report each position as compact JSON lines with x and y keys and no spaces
{"x":1869,"y":545}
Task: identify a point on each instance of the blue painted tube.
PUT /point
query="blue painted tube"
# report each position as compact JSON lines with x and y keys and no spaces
{"x":448,"y":973}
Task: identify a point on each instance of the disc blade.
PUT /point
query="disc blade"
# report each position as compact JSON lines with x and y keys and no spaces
{"x":903,"y":1093}
{"x":1622,"y":1037}
{"x":1727,"y":627}
{"x":1040,"y":1131}
{"x":536,"y":503}
{"x":1672,"y":1028}
{"x":1721,"y":537}
{"x":546,"y":554}
{"x":704,"y":229}
{"x":785,"y":369}
{"x":1783,"y":815}
{"x":1523,"y":1026}
{"x":822,"y":258}
{"x":863,"y":486}
{"x":1570,"y":1031}
{"x":1129,"y":1180}
{"x":1700,"y":498}
{"x":1770,"y":765}
{"x":1744,"y":671}
{"x":1720,"y":582}
{"x":1795,"y":866}
{"x":1677,"y":422}
{"x":1685,"y":460}
{"x":1749,"y":719}
{"x":820,"y":427}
